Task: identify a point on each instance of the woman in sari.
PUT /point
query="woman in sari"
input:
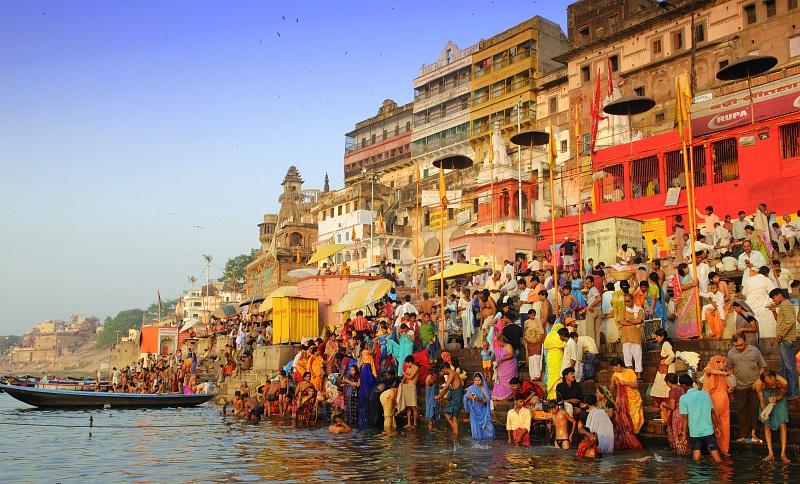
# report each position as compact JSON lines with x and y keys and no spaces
{"x":715,"y":383}
{"x":676,"y":434}
{"x":351,"y":384}
{"x":655,"y":296}
{"x":660,"y":391}
{"x":477,"y":401}
{"x":746,"y":322}
{"x":367,"y":358}
{"x":506,"y":370}
{"x":605,"y":401}
{"x":366,"y":385}
{"x":304,"y":396}
{"x":301,"y":366}
{"x":687,"y":324}
{"x":401,"y":348}
{"x":629,"y":416}
{"x":576,"y":285}
{"x":315,"y":364}
{"x":555,"y":354}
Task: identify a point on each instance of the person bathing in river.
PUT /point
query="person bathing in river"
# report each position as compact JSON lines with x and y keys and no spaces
{"x":453,"y":389}
{"x":561,"y":420}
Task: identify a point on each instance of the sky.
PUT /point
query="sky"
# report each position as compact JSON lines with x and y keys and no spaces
{"x":137,"y":136}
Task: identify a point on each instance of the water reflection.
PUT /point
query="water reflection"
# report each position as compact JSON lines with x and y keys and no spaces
{"x":197,"y":445}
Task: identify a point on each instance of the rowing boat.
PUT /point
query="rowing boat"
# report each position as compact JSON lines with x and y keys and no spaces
{"x":65,"y":399}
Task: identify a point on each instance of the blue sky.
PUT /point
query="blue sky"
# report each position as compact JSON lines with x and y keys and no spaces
{"x":137,"y":136}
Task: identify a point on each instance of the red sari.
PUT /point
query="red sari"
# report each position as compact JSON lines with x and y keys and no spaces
{"x":678,"y":439}
{"x":624,"y":434}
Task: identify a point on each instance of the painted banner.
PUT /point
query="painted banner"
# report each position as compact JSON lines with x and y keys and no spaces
{"x":769,"y":100}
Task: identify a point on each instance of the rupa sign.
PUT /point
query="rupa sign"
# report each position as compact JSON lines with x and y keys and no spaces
{"x":769,"y":100}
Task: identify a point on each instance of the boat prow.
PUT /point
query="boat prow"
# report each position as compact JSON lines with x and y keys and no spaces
{"x":70,"y":399}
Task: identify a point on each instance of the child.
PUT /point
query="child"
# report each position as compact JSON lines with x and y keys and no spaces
{"x":656,"y":253}
{"x":338,"y":426}
{"x":487,"y":355}
{"x":714,"y":311}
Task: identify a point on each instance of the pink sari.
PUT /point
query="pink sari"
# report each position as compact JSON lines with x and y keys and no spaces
{"x":687,"y":322}
{"x":506,"y":370}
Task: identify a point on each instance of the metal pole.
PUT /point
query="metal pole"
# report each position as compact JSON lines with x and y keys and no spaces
{"x":553,"y":233}
{"x":372,"y":218}
{"x":519,"y":165}
{"x":441,"y":274}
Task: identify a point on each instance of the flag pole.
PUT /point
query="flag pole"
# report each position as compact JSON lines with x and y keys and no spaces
{"x":417,"y":236}
{"x":684,"y":126}
{"x":580,"y":189}
{"x":551,"y":154}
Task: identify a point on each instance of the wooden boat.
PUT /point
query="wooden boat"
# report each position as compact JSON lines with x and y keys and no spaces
{"x":66,"y":399}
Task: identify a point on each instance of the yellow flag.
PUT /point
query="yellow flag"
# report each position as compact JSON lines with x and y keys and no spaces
{"x":442,"y":188}
{"x":551,"y":149}
{"x":682,"y":105}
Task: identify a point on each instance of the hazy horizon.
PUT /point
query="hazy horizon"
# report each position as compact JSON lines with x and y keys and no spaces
{"x":139,"y":136}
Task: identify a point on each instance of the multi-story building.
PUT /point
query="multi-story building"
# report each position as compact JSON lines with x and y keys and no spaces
{"x":644,"y":46}
{"x":504,"y":70}
{"x":380,"y":146}
{"x":441,"y":108}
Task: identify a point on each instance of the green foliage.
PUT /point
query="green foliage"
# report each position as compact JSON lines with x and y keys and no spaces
{"x":122,"y":322}
{"x":6,"y":342}
{"x":233,"y":275}
{"x":167,"y":308}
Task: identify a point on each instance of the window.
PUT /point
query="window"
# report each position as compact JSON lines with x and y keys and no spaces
{"x":584,"y":32}
{"x":563,"y":146}
{"x":450,"y":213}
{"x":725,"y":157}
{"x":791,"y":4}
{"x":396,"y":129}
{"x":553,"y":105}
{"x":644,"y":177}
{"x":790,"y":140}
{"x":723,"y":63}
{"x":614,"y":60}
{"x":339,"y":210}
{"x":384,"y":133}
{"x":363,"y":142}
{"x":794,"y":46}
{"x":639,"y":91}
{"x":750,"y":13}
{"x":771,"y":10}
{"x":408,"y":126}
{"x":612,"y":185}
{"x":427,"y":218}
{"x":586,"y":144}
{"x":677,"y":41}
{"x":657,"y":46}
{"x":700,"y":32}
{"x":660,"y":117}
{"x":396,"y":254}
{"x":586,"y":74}
{"x":331,"y":215}
{"x":612,"y":24}
{"x":374,"y":138}
{"x":474,"y":205}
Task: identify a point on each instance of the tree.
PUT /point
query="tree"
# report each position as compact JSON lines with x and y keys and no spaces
{"x":234,"y":272}
{"x":6,"y":342}
{"x":119,"y":325}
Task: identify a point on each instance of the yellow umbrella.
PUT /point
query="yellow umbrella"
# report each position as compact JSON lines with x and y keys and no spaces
{"x":281,"y":291}
{"x":325,"y":251}
{"x":456,"y":270}
{"x":363,"y":295}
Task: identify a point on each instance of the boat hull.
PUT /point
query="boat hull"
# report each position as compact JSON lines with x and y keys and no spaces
{"x":67,"y":399}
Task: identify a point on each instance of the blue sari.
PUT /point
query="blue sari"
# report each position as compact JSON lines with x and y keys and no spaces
{"x":480,"y":414}
{"x":431,"y":405}
{"x":365,"y":389}
{"x":400,"y":350}
{"x":575,"y":285}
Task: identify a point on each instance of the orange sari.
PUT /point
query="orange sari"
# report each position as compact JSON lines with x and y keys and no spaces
{"x":717,"y":387}
{"x":317,"y":372}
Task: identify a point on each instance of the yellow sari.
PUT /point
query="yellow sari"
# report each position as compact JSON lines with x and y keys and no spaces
{"x":317,"y":373}
{"x":634,"y":398}
{"x":555,"y":354}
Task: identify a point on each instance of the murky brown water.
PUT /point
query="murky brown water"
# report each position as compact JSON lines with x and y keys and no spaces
{"x":198,"y":445}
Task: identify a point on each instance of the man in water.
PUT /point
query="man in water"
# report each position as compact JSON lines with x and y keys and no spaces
{"x":339,"y":427}
{"x":453,"y":388}
{"x":698,"y":414}
{"x":597,"y":424}
{"x":560,"y":420}
{"x":407,"y":395}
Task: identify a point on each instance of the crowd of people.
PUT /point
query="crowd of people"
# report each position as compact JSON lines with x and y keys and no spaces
{"x":370,"y":370}
{"x":172,"y":373}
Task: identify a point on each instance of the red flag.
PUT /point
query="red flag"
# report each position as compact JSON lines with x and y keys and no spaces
{"x":596,"y":113}
{"x":610,"y":79}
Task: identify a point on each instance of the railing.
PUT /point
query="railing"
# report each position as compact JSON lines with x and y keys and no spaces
{"x":349,"y":148}
{"x":437,"y":143}
{"x":553,"y":76}
{"x":505,"y":61}
{"x":354,"y":169}
{"x":507,"y":89}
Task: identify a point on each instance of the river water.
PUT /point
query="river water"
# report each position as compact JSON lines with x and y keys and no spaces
{"x":199,"y":445}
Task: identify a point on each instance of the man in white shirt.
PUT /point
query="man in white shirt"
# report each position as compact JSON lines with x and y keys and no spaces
{"x":703,"y":269}
{"x":570,"y":350}
{"x":750,"y":261}
{"x":493,"y":284}
{"x":535,"y":265}
{"x":788,"y":235}
{"x":587,"y":357}
{"x":756,"y":292}
{"x":611,"y":332}
{"x":783,"y":277}
{"x":403,"y":309}
{"x":710,"y":219}
{"x":625,"y":254}
{"x":508,"y":269}
{"x":699,"y":244}
{"x":722,"y":238}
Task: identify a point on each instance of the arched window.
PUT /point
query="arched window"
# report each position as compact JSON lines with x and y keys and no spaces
{"x":505,"y":201}
{"x":296,"y":239}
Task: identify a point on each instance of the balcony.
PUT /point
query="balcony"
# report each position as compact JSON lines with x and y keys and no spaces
{"x":513,"y":86}
{"x":438,"y":143}
{"x":354,"y":169}
{"x":496,"y":66}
